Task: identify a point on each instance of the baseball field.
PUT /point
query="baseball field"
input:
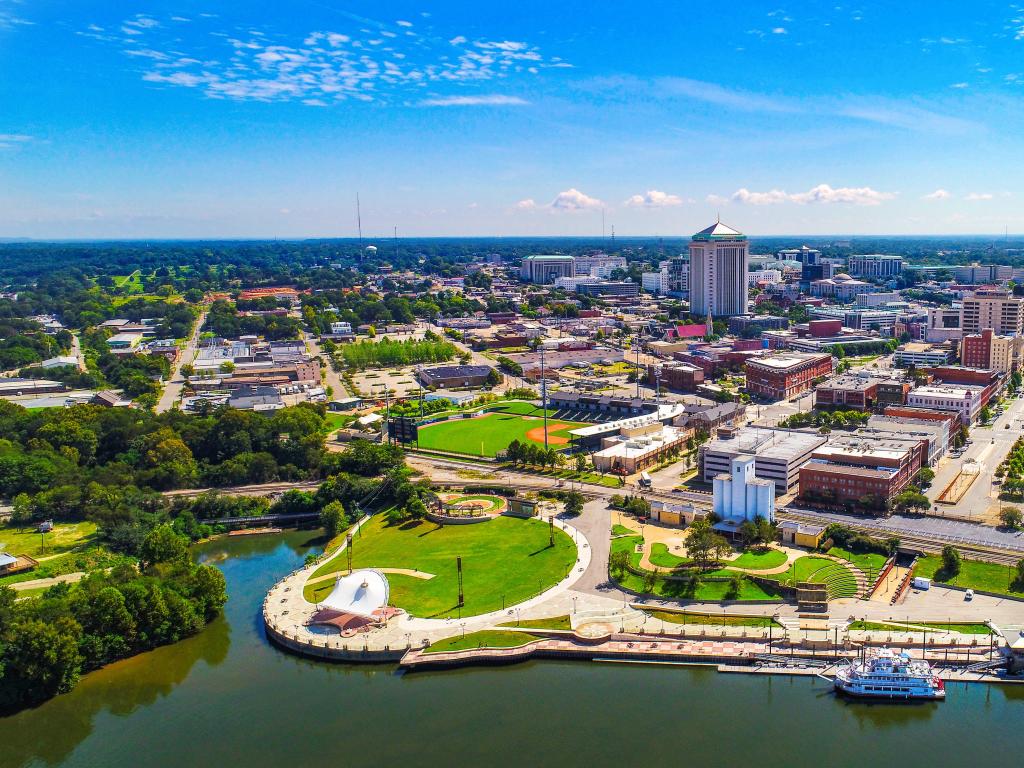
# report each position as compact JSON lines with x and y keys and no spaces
{"x":491,"y":432}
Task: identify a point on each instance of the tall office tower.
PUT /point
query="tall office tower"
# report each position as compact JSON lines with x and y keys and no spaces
{"x":718,"y":272}
{"x":993,"y":308}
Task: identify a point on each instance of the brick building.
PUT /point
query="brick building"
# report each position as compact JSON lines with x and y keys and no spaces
{"x":676,"y":376}
{"x":781,"y":376}
{"x":865,"y":469}
{"x":991,"y":351}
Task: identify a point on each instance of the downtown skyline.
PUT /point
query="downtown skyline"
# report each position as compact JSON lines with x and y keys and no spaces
{"x":196,"y":121}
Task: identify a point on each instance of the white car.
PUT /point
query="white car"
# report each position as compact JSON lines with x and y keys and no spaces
{"x":969,"y":594}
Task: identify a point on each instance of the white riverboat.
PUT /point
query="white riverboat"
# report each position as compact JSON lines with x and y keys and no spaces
{"x":887,"y":675}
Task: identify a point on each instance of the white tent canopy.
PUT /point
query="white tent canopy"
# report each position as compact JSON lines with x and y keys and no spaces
{"x":360,"y":593}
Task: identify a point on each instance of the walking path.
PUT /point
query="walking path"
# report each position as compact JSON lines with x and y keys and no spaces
{"x":67,"y":578}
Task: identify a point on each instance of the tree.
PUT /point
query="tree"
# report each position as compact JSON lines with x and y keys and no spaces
{"x":925,"y":476}
{"x":580,"y":462}
{"x":748,"y":532}
{"x":1020,"y":571}
{"x":910,"y":500}
{"x":573,"y":503}
{"x":704,"y":546}
{"x":767,"y":531}
{"x":415,"y":508}
{"x":619,"y":560}
{"x":950,"y":562}
{"x":493,"y":378}
{"x":163,"y":545}
{"x":333,"y":518}
{"x":1011,"y":517}
{"x":985,"y":414}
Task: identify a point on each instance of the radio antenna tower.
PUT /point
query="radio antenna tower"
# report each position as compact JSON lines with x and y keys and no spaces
{"x":359,"y":224}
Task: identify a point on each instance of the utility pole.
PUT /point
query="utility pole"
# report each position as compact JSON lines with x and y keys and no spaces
{"x":638,"y":366}
{"x":544,"y":396}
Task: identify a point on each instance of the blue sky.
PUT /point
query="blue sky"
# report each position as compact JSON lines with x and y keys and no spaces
{"x":264,"y":119}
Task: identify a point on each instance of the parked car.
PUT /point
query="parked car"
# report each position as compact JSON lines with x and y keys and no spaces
{"x":969,"y":594}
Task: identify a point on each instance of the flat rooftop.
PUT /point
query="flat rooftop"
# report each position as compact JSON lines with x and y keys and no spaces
{"x":781,"y":444}
{"x":788,"y":360}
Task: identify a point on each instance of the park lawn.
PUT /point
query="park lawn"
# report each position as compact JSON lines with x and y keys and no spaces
{"x":961,"y":627}
{"x":621,"y":530}
{"x":62,"y":539}
{"x":487,"y":435}
{"x":505,"y":561}
{"x":706,"y":591}
{"x":974,"y":574}
{"x":554,"y":622}
{"x":629,"y":544}
{"x":707,"y":619}
{"x":757,"y":560}
{"x":869,"y":562}
{"x":487,"y":638}
{"x":661,"y":557}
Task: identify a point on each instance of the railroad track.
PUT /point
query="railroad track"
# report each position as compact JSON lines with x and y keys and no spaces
{"x":972,"y":549}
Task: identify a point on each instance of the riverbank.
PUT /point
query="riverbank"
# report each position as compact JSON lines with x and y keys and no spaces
{"x":216,"y":699}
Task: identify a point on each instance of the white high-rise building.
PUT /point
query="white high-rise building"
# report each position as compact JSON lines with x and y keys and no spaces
{"x":656,"y":282}
{"x":741,"y":495}
{"x":719,"y":261}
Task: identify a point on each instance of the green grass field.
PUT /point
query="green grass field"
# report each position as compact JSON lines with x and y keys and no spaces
{"x":505,"y":561}
{"x":487,"y":638}
{"x":663,"y":558}
{"x":486,"y":435}
{"x":896,"y":627}
{"x":554,"y":622}
{"x":989,"y":577}
{"x":755,"y":560}
{"x":869,"y":562}
{"x":63,"y":538}
{"x":711,"y":620}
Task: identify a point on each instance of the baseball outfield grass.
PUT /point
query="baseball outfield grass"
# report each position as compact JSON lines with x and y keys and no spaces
{"x":492,"y":432}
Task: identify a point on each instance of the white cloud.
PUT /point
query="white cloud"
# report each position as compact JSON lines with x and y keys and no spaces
{"x":960,"y":85}
{"x":823,"y":193}
{"x":980,"y":196}
{"x":492,"y":100}
{"x":574,"y":200}
{"x":772,"y":197}
{"x":12,"y":140}
{"x":653,"y":198}
{"x":569,"y":201}
{"x":326,"y":67}
{"x":938,"y":194}
{"x":779,"y":31}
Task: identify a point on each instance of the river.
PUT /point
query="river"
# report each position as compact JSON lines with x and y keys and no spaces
{"x":226,"y":697}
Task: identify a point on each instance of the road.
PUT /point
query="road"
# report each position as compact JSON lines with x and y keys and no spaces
{"x":332,"y":378}
{"x":76,"y":350}
{"x":172,"y":390}
{"x":989,"y":446}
